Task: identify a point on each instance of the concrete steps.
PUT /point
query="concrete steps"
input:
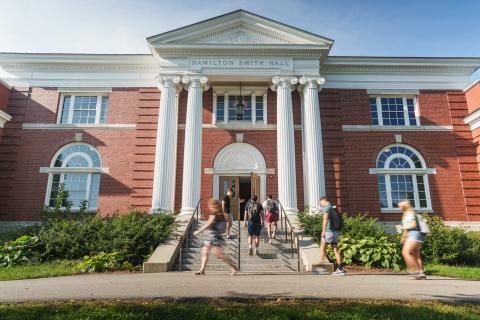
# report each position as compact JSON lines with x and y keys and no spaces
{"x":272,"y":258}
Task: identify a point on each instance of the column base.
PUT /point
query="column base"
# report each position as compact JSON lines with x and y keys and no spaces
{"x":291,"y":210}
{"x":160,"y":211}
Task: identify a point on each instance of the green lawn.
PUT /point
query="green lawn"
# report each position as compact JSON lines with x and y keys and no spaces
{"x":463,"y":272}
{"x":251,"y":309}
{"x":44,"y":270}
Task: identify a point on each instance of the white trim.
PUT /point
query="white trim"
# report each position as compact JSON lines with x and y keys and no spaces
{"x":4,"y":118}
{"x":214,"y":113}
{"x":386,"y":210}
{"x":473,"y":119}
{"x":240,"y":126}
{"x":402,"y":171}
{"x":80,"y":170}
{"x":98,"y":106}
{"x":393,"y":92}
{"x":100,"y":126}
{"x":85,"y":90}
{"x":471,"y":85}
{"x":265,"y":109}
{"x":348,"y":127}
{"x":406,"y":117}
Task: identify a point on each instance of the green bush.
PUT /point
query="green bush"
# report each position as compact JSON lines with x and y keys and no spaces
{"x":103,"y":262}
{"x":450,"y":245}
{"x":369,"y":251}
{"x":20,"y":251}
{"x":133,"y":236}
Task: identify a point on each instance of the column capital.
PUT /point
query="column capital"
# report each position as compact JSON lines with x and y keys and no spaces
{"x":195,"y":81}
{"x":311,"y":82}
{"x":168,"y":81}
{"x":284,"y":82}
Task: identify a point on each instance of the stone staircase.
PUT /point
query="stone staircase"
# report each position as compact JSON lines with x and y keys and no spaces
{"x":272,"y":258}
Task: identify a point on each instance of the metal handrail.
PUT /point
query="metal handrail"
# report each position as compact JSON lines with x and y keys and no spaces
{"x":239,"y":241}
{"x":292,"y":240}
{"x":187,"y":236}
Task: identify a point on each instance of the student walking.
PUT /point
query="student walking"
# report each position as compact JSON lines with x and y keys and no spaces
{"x":216,"y":224}
{"x":271,"y":208}
{"x":412,"y":239}
{"x":227,"y":211}
{"x":331,"y":227}
{"x":255,"y":221}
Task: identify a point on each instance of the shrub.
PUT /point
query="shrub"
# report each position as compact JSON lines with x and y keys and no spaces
{"x":370,"y":251}
{"x":103,"y":262}
{"x":450,"y":245}
{"x":20,"y":251}
{"x":133,"y":236}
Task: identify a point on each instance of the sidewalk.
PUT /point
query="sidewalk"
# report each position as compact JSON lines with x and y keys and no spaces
{"x":188,"y":286}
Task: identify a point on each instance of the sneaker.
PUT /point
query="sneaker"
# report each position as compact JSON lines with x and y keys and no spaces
{"x":339,"y":272}
{"x":229,"y":237}
{"x":423,"y":276}
{"x":270,"y":241}
{"x":250,"y":252}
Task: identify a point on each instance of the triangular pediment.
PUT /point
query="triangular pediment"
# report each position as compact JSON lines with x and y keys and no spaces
{"x":239,"y":28}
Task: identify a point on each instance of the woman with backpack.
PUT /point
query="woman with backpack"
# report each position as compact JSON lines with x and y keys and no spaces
{"x":412,"y":239}
{"x":216,"y":223}
{"x":255,"y":221}
{"x":271,"y":208}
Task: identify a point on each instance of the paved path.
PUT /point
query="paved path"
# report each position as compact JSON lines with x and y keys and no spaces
{"x":188,"y":286}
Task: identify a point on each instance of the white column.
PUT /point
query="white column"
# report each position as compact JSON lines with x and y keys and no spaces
{"x":313,"y":144}
{"x":192,"y":159}
{"x":287,"y":184}
{"x":164,"y":169}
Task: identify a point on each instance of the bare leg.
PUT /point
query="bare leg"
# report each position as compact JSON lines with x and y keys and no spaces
{"x":338,"y":257}
{"x":408,"y":250}
{"x":257,"y":241}
{"x":419,"y":258}
{"x":218,"y":252}
{"x":274,"y":229}
{"x":229,"y":226}
{"x":322,"y":251}
{"x":205,"y":252}
{"x":269,"y":232}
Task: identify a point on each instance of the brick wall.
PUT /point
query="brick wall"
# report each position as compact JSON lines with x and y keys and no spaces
{"x":4,"y":94}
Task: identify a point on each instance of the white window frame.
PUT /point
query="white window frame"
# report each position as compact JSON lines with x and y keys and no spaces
{"x":98,"y":107}
{"x":405,"y":109}
{"x":413,"y":172}
{"x":52,"y":170}
{"x":253,"y":92}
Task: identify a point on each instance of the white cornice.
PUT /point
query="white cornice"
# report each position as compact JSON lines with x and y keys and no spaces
{"x":4,"y":117}
{"x":395,"y":128}
{"x":473,"y":119}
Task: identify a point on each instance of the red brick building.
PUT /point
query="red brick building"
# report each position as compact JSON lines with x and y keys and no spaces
{"x":239,"y":100}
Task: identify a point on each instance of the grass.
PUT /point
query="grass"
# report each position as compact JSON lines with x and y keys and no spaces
{"x":463,"y":272}
{"x":44,"y":270}
{"x":248,"y":309}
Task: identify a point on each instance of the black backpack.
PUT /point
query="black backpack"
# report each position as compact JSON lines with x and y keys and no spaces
{"x":254,"y":213}
{"x":336,"y":219}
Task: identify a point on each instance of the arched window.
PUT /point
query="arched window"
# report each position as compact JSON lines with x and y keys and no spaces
{"x":402,"y":174}
{"x":78,"y":167}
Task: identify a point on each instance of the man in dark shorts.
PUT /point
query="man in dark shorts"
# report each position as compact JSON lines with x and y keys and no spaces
{"x":227,"y":210}
{"x":330,"y":234}
{"x":255,"y":217}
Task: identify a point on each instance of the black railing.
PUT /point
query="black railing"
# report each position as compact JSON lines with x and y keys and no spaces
{"x":294,"y":241}
{"x":239,"y":241}
{"x":193,"y":226}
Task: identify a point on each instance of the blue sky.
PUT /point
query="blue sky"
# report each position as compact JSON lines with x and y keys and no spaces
{"x":362,"y":27}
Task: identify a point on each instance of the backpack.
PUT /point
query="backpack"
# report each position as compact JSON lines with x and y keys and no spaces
{"x":271,"y":206}
{"x":254,"y":213}
{"x":422,"y":225}
{"x":336,"y":219}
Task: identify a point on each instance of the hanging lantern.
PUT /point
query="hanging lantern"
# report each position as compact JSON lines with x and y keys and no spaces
{"x":240,"y":106}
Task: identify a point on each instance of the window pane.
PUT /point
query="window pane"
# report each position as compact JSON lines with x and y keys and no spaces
{"x":76,"y":186}
{"x":220,"y":108}
{"x":65,"y":109}
{"x":383,"y":192}
{"x":402,"y":189}
{"x":54,"y":189}
{"x":422,"y":195}
{"x":84,"y":109}
{"x":411,"y":112}
{"x":259,"y":108}
{"x":373,"y":111}
{"x":104,"y":110}
{"x":399,"y":163}
{"x":392,"y":112}
{"x":94,"y":188}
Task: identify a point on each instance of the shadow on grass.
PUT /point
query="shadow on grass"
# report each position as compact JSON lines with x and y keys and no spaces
{"x":247,"y":309}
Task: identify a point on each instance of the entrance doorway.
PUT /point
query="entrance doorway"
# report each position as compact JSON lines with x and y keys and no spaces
{"x":243,"y":189}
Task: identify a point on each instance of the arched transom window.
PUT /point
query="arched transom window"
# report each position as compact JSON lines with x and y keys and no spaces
{"x":78,"y":167}
{"x":402,"y":174}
